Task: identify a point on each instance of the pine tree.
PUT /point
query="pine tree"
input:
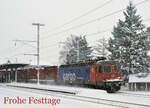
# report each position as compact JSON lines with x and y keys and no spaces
{"x":75,"y":49}
{"x":129,"y":43}
{"x":148,"y":30}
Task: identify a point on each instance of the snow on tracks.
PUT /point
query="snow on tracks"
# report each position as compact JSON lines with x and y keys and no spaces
{"x":42,"y":87}
{"x":92,"y":96}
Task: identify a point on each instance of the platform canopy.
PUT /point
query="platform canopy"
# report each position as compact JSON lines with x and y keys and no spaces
{"x":12,"y":65}
{"x":139,"y":78}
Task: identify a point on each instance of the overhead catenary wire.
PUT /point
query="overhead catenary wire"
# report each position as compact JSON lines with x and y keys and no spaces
{"x":83,"y":24}
{"x":85,"y":14}
{"x":109,"y":29}
{"x":53,"y":45}
{"x":82,"y":15}
{"x":90,"y":34}
{"x":102,"y":18}
{"x":91,"y":21}
{"x":23,"y":53}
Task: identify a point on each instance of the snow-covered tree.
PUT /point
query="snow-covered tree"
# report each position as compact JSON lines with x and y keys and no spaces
{"x":129,"y":44}
{"x":100,"y":49}
{"x":148,"y":30}
{"x":75,"y":49}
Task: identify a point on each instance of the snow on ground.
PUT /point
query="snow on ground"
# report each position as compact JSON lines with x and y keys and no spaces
{"x":64,"y":103}
{"x":93,"y":93}
{"x":116,"y":96}
{"x":77,"y":90}
{"x":138,"y":92}
{"x":126,"y":90}
{"x":51,"y":87}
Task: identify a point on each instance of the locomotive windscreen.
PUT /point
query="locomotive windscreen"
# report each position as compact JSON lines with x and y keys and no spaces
{"x":117,"y":68}
{"x":107,"y":68}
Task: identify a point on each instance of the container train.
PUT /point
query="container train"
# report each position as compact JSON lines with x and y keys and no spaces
{"x":101,"y":74}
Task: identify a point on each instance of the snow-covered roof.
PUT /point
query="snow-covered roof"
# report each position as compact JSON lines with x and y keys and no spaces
{"x":140,"y":77}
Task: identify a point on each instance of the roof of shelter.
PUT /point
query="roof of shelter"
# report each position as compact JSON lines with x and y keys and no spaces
{"x":139,"y":78}
{"x":12,"y":65}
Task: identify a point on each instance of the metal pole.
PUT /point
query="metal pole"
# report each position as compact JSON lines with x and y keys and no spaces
{"x":38,"y":55}
{"x":16,"y":74}
{"x":38,"y":49}
{"x":78,"y":50}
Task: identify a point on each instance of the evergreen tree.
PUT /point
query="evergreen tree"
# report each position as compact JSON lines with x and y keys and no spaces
{"x":148,"y":30}
{"x":75,"y":49}
{"x":129,"y":43}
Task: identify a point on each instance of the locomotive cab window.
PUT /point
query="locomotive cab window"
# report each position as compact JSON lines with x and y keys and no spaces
{"x":106,"y":68}
{"x":117,"y":68}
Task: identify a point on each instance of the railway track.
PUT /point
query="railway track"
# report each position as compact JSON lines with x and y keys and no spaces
{"x":134,"y":94}
{"x":114,"y":103}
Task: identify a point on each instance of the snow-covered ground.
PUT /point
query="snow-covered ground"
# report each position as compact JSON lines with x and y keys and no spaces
{"x":94,"y":93}
{"x":51,"y":87}
{"x":64,"y":103}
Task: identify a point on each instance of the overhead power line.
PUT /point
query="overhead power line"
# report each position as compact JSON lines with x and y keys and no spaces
{"x":83,"y":24}
{"x":109,"y":29}
{"x":17,"y":54}
{"x":99,"y":32}
{"x":85,"y":14}
{"x":94,"y":20}
{"x":91,"y":22}
{"x":90,"y":34}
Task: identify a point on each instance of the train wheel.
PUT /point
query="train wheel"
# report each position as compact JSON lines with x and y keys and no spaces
{"x":111,"y":89}
{"x":117,"y":88}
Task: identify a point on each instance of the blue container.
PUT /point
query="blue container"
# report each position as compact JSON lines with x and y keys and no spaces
{"x":74,"y":73}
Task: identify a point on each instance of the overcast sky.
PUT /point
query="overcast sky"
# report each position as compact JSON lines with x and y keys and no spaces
{"x":17,"y":16}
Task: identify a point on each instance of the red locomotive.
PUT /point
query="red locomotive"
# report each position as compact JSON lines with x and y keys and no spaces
{"x":104,"y":75}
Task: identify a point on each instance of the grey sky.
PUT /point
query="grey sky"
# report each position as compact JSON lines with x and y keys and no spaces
{"x":17,"y":16}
